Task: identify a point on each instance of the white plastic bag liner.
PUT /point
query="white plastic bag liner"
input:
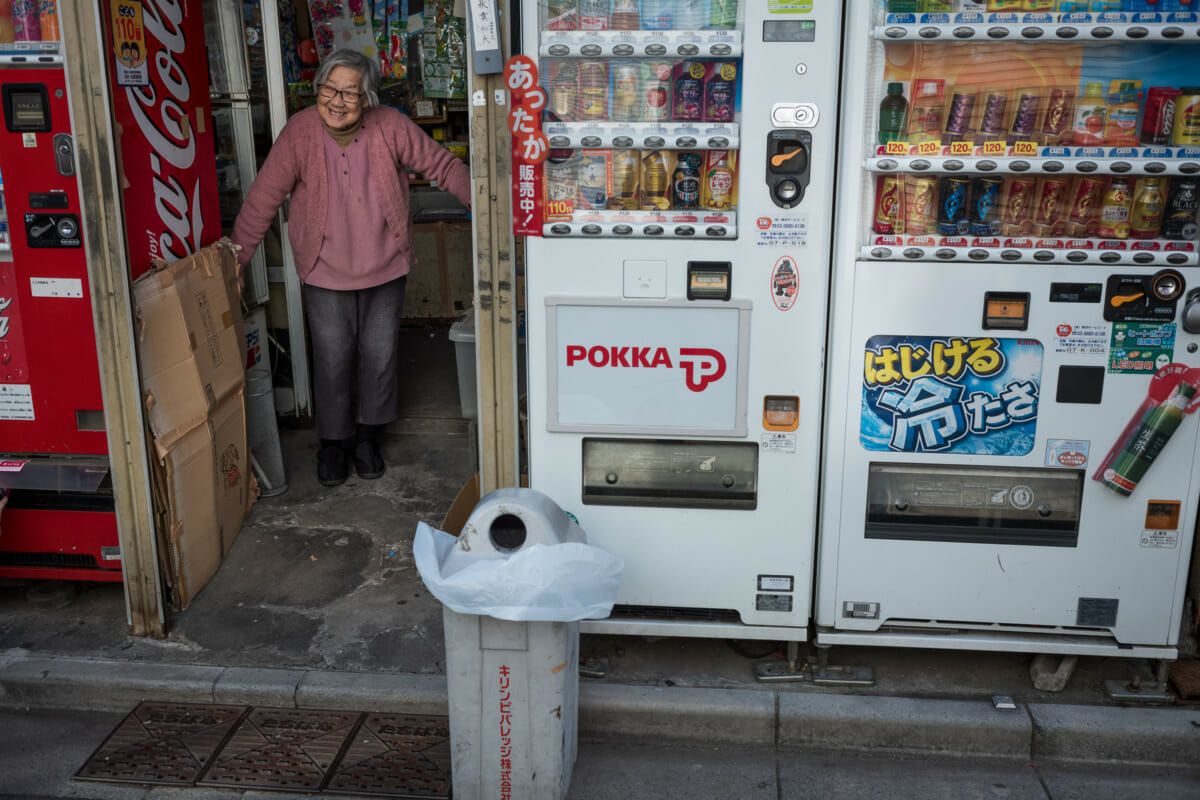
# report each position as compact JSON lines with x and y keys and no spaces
{"x":537,"y":583}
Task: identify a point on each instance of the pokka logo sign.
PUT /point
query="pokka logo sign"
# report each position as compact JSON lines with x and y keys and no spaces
{"x":702,"y":366}
{"x":951,"y":394}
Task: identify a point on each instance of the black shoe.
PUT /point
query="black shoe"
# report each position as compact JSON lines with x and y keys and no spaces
{"x":332,"y":469}
{"x":367,"y":460}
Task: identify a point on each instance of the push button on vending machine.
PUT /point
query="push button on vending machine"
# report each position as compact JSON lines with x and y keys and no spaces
{"x":963,"y":32}
{"x":1032,"y":32}
{"x":1103,"y":32}
{"x":929,"y":33}
{"x":997,"y":32}
{"x":1076,"y":256}
{"x":1155,"y":167}
{"x":1066,"y":32}
{"x":1053,"y":166}
{"x":1137,"y":32}
{"x":1019,"y":166}
{"x":1120,"y":166}
{"x":1172,"y":32}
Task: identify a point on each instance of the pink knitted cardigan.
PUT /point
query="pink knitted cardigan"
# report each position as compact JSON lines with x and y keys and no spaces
{"x":296,"y":165}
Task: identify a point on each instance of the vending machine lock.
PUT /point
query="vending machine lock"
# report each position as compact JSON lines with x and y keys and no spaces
{"x":708,"y":280}
{"x":1006,"y":311}
{"x":788,"y":165}
{"x":1143,"y":298}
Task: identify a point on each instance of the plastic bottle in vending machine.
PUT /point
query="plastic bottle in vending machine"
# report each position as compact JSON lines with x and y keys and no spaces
{"x":1114,"y":211}
{"x":655,"y":191}
{"x":625,"y":169}
{"x":1183,"y":200}
{"x":658,"y":15}
{"x":893,"y":110}
{"x":722,"y":13}
{"x":691,"y":15}
{"x":719,"y":87}
{"x":656,"y":91}
{"x":685,"y":181}
{"x":27,"y":25}
{"x":562,"y":15}
{"x":593,"y":90}
{"x":718,"y":184}
{"x":48,"y":19}
{"x":1146,"y":215}
{"x":625,"y":15}
{"x":1091,"y":111}
{"x":689,"y":91}
{"x":595,"y":15}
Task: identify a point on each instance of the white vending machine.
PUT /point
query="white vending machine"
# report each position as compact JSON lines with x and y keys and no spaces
{"x":1010,"y":453}
{"x":677,"y":299}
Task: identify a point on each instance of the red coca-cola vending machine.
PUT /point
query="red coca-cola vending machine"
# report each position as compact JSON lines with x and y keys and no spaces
{"x":58,"y":519}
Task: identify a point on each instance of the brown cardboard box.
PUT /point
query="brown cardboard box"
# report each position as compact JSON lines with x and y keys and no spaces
{"x":191,"y":353}
{"x":464,"y":503}
{"x":188,"y":341}
{"x":209,"y":492}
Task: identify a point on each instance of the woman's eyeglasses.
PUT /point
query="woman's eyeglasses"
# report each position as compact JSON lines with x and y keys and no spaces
{"x":349,"y":98}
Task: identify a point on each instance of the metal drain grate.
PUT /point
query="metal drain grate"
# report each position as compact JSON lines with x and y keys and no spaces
{"x":166,"y":743}
{"x":281,"y":748}
{"x":396,"y":755}
{"x":1185,"y":677}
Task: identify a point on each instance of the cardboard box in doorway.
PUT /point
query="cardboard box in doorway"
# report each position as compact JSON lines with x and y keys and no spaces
{"x":190,"y":348}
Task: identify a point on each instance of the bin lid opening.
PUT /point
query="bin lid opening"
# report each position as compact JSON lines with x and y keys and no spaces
{"x":508,"y":532}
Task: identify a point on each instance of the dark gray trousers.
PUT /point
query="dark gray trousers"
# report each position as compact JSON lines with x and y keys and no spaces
{"x":354,"y":336}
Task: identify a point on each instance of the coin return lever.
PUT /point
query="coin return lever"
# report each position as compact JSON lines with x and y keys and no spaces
{"x":788,"y":165}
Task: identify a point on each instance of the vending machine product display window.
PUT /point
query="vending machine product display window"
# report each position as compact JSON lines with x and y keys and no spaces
{"x":675,"y":360}
{"x":1013,"y":346}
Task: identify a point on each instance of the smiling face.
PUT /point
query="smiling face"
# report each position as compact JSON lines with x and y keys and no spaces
{"x":335,"y":111}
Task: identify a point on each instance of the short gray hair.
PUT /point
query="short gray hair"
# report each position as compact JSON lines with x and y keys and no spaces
{"x":368,"y":68}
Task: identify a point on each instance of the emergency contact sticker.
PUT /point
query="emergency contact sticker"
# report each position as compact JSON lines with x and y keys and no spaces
{"x":1141,"y":347}
{"x":1081,"y":340}
{"x":56,"y":287}
{"x":16,"y":401}
{"x":782,"y":231}
{"x":778,"y":442}
{"x":1068,"y":453}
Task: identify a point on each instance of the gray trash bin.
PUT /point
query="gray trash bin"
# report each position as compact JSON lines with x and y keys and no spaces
{"x":513,"y":586}
{"x":513,"y":687}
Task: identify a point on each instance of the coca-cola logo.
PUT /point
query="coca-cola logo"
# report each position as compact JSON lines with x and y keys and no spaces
{"x":5,"y":302}
{"x":158,"y":110}
{"x":702,"y":366}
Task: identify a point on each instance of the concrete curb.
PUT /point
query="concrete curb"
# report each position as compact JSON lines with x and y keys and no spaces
{"x":785,"y":719}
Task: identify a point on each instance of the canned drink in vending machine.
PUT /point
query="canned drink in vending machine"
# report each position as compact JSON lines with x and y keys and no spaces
{"x":595,"y":15}
{"x":995,"y":106}
{"x":1048,"y":213}
{"x":1114,"y":212}
{"x":1179,"y":220}
{"x":985,"y":205}
{"x":1085,"y":207}
{"x":593,"y":178}
{"x":1024,"y":122}
{"x":920,"y":204}
{"x":1158,"y":120}
{"x":1017,"y":215}
{"x":1146,"y":214}
{"x":685,"y":181}
{"x":593,"y":90}
{"x":562,"y":184}
{"x":625,"y":171}
{"x":958,"y":119}
{"x":1186,"y":131}
{"x":627,"y":90}
{"x":656,"y":91}
{"x":952,"y":205}
{"x":889,"y":205}
{"x":1058,"y":114}
{"x":656,"y":194}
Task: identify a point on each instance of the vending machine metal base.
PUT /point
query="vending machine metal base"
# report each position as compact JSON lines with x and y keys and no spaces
{"x":1011,"y":460}
{"x":676,"y":301}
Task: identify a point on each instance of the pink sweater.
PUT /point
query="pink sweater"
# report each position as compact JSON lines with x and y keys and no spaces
{"x":296,"y":165}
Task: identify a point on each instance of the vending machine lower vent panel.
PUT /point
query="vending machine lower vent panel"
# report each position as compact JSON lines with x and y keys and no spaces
{"x":722,"y":615}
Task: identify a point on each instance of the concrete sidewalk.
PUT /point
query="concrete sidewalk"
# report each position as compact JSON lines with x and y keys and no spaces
{"x":786,"y":719}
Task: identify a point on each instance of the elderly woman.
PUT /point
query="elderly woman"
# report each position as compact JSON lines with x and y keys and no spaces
{"x":343,"y":162}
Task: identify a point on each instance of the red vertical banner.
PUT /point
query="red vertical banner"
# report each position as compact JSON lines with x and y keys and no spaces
{"x":529,"y":144}
{"x":166,"y":151}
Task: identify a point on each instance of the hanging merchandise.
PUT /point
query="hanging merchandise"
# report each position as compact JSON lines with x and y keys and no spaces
{"x":289,"y":41}
{"x":391,"y":27}
{"x":341,"y":24}
{"x":444,"y":61}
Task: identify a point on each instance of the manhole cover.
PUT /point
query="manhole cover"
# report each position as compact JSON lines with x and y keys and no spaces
{"x":162,"y":743}
{"x":281,"y":748}
{"x":396,"y":755}
{"x":1185,"y":676}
